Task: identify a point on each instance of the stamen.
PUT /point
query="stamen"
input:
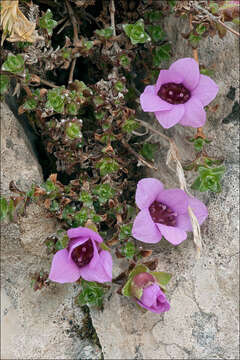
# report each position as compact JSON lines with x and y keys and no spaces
{"x":83,"y":254}
{"x":162,"y":214}
{"x":174,"y":93}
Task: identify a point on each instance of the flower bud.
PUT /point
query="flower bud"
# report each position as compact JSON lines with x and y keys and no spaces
{"x":140,"y":282}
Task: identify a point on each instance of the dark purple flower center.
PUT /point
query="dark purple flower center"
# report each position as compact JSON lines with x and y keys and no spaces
{"x":174,"y":93}
{"x":162,"y":214}
{"x":83,"y":254}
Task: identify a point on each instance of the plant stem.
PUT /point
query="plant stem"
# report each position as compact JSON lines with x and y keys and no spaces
{"x":214,"y":18}
{"x":70,"y":79}
{"x":139,"y":157}
{"x":74,"y":23}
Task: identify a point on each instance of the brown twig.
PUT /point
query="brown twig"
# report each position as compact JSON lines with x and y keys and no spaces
{"x":113,"y":26}
{"x":74,"y":22}
{"x":28,"y":91}
{"x":20,"y":77}
{"x":214,"y":18}
{"x":112,"y":16}
{"x":147,"y":126}
{"x":200,"y":132}
{"x":195,"y":52}
{"x":67,"y":23}
{"x":48,"y":83}
{"x":90,"y":17}
{"x":70,"y":79}
{"x":139,"y":157}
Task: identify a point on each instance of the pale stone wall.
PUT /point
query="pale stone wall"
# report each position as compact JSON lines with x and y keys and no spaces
{"x":42,"y":324}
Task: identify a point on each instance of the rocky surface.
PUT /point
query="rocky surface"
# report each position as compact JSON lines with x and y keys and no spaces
{"x":34,"y":325}
{"x":204,"y":293}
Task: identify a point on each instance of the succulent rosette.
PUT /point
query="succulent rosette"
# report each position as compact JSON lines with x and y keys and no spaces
{"x":147,"y":288}
{"x":179,"y":95}
{"x":82,"y":258}
{"x":164,"y":213}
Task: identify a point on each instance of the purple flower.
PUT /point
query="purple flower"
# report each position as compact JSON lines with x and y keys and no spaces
{"x":82,"y":258}
{"x":164,"y":213}
{"x":180,"y":95}
{"x":152,"y":298}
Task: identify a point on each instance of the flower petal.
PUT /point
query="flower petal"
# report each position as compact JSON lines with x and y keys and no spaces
{"x":147,"y":191}
{"x":75,"y":243}
{"x":188,"y":68}
{"x":171,"y":117}
{"x":154,"y":300}
{"x":200,"y":211}
{"x":152,"y":102}
{"x":206,"y":90}
{"x":80,"y":232}
{"x":144,"y":229}
{"x":172,"y":234}
{"x":195,"y":115}
{"x":101,"y":271}
{"x":176,"y":199}
{"x":63,"y":269}
{"x":167,"y":76}
{"x":149,"y":296}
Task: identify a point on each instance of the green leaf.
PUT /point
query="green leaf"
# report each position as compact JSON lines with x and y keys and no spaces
{"x":68,"y":212}
{"x":104,"y":192}
{"x":4,"y":84}
{"x":156,"y":32}
{"x":209,"y":179}
{"x":106,"y":33}
{"x":148,"y":151}
{"x":214,"y":7}
{"x":99,"y":115}
{"x":126,"y":291}
{"x":30,"y":104}
{"x":197,"y":184}
{"x":130,"y":125}
{"x":194,"y":40}
{"x":161,"y":53}
{"x":56,"y":100}
{"x":54,"y":206}
{"x":103,"y":246}
{"x":207,"y":72}
{"x":198,"y":144}
{"x":162,"y":278}
{"x":66,"y":53}
{"x":119,"y":86}
{"x":124,"y":61}
{"x":47,"y":22}
{"x":92,"y":294}
{"x":11,"y":210}
{"x":125,"y":231}
{"x":61,"y":243}
{"x":86,"y":198}
{"x":107,"y":166}
{"x":129,"y":250}
{"x":14,"y":64}
{"x":49,"y":186}
{"x":80,"y":218}
{"x":200,"y":29}
{"x":98,"y":101}
{"x":154,"y":16}
{"x":136,"y":32}
{"x":73,"y":131}
{"x":72,"y":109}
{"x":3,"y":208}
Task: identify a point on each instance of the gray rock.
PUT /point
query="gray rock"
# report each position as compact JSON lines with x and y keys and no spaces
{"x":203,"y":320}
{"x":34,"y":325}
